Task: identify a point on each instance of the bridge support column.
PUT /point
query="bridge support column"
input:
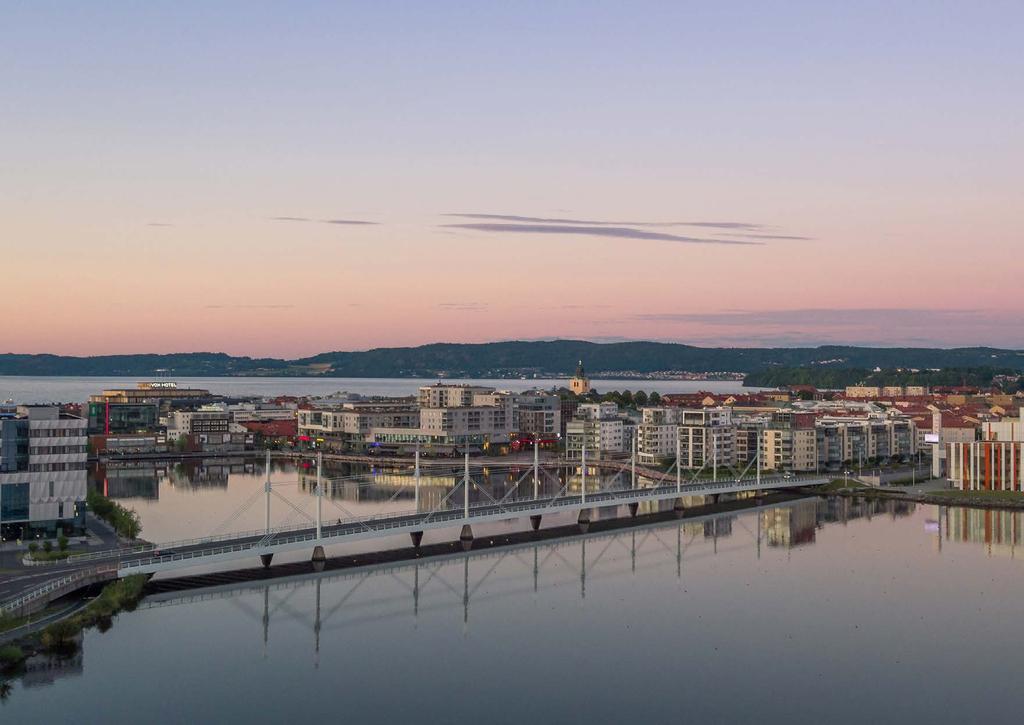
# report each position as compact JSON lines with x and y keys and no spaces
{"x":266,"y":559}
{"x":678,"y":508}
{"x":466,"y":537}
{"x":535,"y":522}
{"x":715,"y":497}
{"x":584,"y":520}
{"x":417,"y":537}
{"x":319,"y":558}
{"x":633,"y":508}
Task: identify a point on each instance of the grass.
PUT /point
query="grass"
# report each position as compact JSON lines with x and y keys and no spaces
{"x":955,"y":494}
{"x":839,"y":484}
{"x":9,"y":621}
{"x":11,"y":655}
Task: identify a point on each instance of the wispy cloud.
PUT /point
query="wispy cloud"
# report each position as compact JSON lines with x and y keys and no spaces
{"x":247,"y":307}
{"x":159,"y":224}
{"x":352,"y":222}
{"x":462,"y":306}
{"x":775,"y":236}
{"x":595,"y":231}
{"x":592,"y":222}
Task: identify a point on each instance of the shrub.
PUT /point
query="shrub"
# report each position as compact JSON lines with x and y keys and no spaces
{"x":47,"y":546}
{"x":33,"y":547}
{"x":60,"y":636}
{"x":11,"y":655}
{"x":62,"y":542}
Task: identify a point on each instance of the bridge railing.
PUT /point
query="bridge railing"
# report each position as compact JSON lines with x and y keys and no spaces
{"x":53,"y":585}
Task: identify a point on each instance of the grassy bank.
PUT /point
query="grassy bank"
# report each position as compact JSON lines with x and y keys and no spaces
{"x":953,"y":495}
{"x":839,"y":484}
{"x":61,"y":637}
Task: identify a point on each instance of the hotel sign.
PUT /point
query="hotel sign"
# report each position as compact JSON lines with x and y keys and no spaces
{"x":159,"y":386}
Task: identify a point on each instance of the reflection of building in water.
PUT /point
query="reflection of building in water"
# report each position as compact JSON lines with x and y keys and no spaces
{"x":1001,"y":531}
{"x":791,"y":526}
{"x":204,"y":474}
{"x":842,"y":509}
{"x":718,"y":528}
{"x":133,"y":483}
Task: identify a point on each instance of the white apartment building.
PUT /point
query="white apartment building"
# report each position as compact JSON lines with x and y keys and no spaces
{"x":707,"y":437}
{"x":43,"y":475}
{"x":598,"y":427}
{"x":440,"y":395}
{"x":657,"y":435}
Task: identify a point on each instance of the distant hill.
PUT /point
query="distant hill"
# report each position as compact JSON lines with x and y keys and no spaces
{"x":513,"y":359}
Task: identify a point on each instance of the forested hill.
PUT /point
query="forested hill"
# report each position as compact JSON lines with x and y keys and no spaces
{"x":512,"y":359}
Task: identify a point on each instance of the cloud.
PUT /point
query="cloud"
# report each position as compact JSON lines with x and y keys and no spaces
{"x":595,"y":231}
{"x":463,"y":306}
{"x":591,"y":222}
{"x":775,"y":236}
{"x":353,"y":222}
{"x":247,"y":307}
{"x":159,"y":224}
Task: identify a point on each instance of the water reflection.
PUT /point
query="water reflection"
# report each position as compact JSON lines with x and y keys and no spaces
{"x":1000,"y":532}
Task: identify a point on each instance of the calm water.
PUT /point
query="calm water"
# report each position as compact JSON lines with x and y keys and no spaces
{"x":78,"y":389}
{"x":813,"y":612}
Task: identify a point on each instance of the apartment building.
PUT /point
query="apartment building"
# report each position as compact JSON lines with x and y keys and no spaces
{"x":657,"y":435}
{"x":789,"y":442}
{"x":440,"y":395}
{"x":707,"y":436}
{"x":211,"y":430}
{"x":846,"y":440}
{"x":43,"y":474}
{"x":597,"y":427}
{"x":352,"y":426}
{"x":537,"y":414}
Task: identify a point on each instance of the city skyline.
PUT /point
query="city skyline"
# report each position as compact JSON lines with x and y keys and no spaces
{"x":271,"y":181}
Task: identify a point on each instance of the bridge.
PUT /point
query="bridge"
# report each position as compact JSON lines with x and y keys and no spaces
{"x":537,"y":492}
{"x":580,"y":560}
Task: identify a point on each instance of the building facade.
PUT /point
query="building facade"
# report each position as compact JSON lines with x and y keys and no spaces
{"x":43,"y":475}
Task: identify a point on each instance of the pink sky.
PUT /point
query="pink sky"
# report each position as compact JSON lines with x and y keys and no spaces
{"x":149,"y":155}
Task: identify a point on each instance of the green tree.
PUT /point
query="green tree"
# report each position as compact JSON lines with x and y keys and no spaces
{"x":640,"y":399}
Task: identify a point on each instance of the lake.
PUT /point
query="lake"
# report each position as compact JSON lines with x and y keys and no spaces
{"x":816,"y":611}
{"x":24,"y":389}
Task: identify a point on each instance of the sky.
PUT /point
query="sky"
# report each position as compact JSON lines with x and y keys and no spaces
{"x":283,"y":179}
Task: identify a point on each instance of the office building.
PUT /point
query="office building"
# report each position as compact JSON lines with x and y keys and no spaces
{"x":42,"y":472}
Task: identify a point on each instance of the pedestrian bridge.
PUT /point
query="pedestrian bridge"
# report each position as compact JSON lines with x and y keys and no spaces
{"x":266,"y":542}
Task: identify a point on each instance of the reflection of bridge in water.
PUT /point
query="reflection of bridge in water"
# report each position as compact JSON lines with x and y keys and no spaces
{"x":580,"y":560}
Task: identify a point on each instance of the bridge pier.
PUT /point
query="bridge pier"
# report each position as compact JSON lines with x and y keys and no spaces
{"x":466,"y":537}
{"x":584,"y":520}
{"x":633,"y":508}
{"x":319,"y":558}
{"x":266,"y":559}
{"x":417,"y":538}
{"x":535,"y":521}
{"x":715,"y":497}
{"x":678,"y":508}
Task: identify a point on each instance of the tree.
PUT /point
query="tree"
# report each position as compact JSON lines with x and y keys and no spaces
{"x":640,"y":399}
{"x":654,"y":398}
{"x":62,"y":542}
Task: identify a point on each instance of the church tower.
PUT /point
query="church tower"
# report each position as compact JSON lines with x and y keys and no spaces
{"x":580,"y":383}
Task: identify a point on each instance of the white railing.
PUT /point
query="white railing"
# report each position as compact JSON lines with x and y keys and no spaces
{"x":53,"y":585}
